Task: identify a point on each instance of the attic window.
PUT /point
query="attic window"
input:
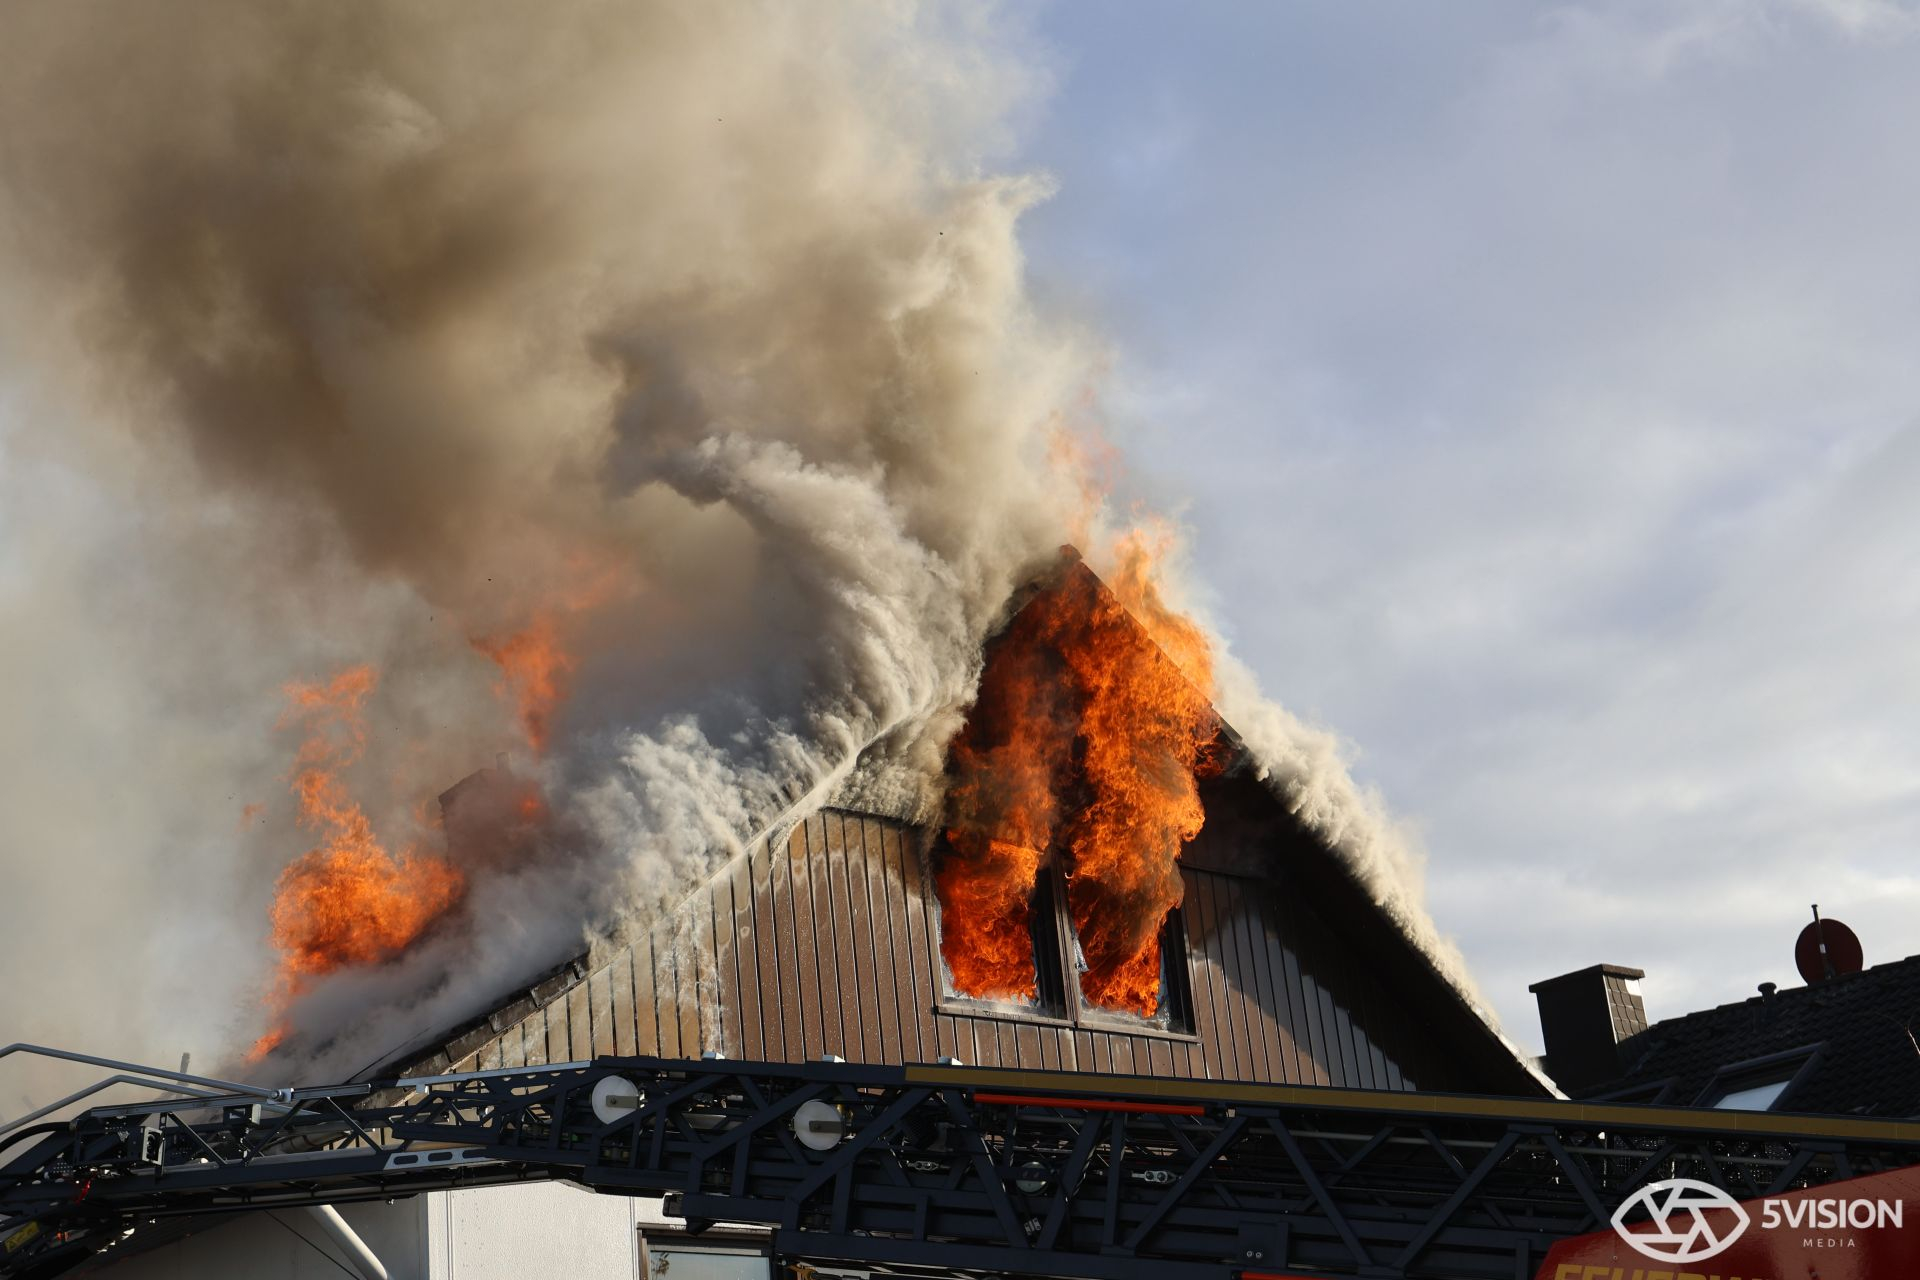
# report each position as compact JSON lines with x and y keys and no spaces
{"x":1025,"y":956}
{"x":1079,"y":763}
{"x":1173,"y":1004}
{"x":1752,"y":1097}
{"x":999,"y":930}
{"x":1758,"y":1084}
{"x":1651,"y":1093}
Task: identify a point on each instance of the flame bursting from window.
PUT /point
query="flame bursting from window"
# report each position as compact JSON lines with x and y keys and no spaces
{"x":346,"y":901}
{"x":1007,"y":767}
{"x":1092,"y":725}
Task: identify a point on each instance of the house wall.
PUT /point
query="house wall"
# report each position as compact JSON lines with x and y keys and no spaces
{"x":537,"y":1229}
{"x":826,"y":942}
{"x":283,"y":1244}
{"x":540,"y":1229}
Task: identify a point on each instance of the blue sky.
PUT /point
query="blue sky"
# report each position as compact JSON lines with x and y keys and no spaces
{"x":1539,"y":383}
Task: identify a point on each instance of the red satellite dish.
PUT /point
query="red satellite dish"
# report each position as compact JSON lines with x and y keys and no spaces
{"x":1827,"y":949}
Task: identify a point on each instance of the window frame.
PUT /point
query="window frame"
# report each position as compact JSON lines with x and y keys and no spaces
{"x":1073,"y":1012}
{"x":1652,"y":1093}
{"x":1091,"y":1016}
{"x":947,"y":999}
{"x":1788,"y":1067}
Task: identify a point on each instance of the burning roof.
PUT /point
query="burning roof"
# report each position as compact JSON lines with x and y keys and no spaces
{"x":1089,"y":744}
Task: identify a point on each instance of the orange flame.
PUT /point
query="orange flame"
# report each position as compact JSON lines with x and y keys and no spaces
{"x":1081,"y":454}
{"x":1136,"y":585}
{"x":1001,"y":809}
{"x":347,"y":901}
{"x":986,"y":903}
{"x":533,"y":673}
{"x":1080,"y":713}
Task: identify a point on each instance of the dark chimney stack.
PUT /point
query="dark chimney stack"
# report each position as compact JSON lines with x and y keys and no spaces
{"x":1585,"y":1017}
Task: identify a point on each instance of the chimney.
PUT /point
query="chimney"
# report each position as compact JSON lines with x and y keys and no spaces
{"x":1585,"y":1016}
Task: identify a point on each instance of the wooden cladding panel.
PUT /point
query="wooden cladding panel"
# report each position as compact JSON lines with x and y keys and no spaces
{"x":824,"y":942}
{"x":1305,"y":1002}
{"x":706,"y":966}
{"x":725,"y":946}
{"x":638,"y":962}
{"x":770,"y":988}
{"x":666,"y":995}
{"x":1257,"y":994}
{"x":892,"y":949}
{"x":557,"y":1049}
{"x":837,"y":868}
{"x":881,"y":978}
{"x":1225,"y":975}
{"x":793,"y":904}
{"x":1277,"y":1013}
{"x":600,"y":1011}
{"x":579,"y":1038}
{"x":513,"y":1051}
{"x":1230,"y":1004}
{"x":921,"y":947}
{"x":746,"y":1038}
{"x":621,"y":1007}
{"x":534,"y":1033}
{"x":1027,"y":1044}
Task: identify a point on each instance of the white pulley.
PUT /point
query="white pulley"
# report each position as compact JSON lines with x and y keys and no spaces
{"x":616,"y":1098}
{"x":818,"y":1124}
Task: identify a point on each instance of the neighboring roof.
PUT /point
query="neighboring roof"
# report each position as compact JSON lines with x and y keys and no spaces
{"x":1850,"y":1044}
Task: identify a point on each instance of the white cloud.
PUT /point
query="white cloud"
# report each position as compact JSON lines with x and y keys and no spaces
{"x":1544,"y":386}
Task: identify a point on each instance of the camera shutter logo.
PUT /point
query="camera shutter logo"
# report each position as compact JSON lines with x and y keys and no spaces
{"x":1681,"y":1231}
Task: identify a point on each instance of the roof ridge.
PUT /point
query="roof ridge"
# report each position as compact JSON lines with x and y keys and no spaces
{"x":1799,"y":994}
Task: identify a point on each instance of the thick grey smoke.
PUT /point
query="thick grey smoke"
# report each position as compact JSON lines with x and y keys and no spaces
{"x":696,"y":326}
{"x":363,"y":333}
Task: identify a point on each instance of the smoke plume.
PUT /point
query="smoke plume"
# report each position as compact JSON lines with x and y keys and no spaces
{"x":691,"y":339}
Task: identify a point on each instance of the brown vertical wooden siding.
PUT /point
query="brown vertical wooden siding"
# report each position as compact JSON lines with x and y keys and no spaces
{"x":823,"y":941}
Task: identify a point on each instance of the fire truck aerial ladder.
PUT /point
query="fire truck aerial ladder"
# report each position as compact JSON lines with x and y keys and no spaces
{"x":946,"y":1167}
